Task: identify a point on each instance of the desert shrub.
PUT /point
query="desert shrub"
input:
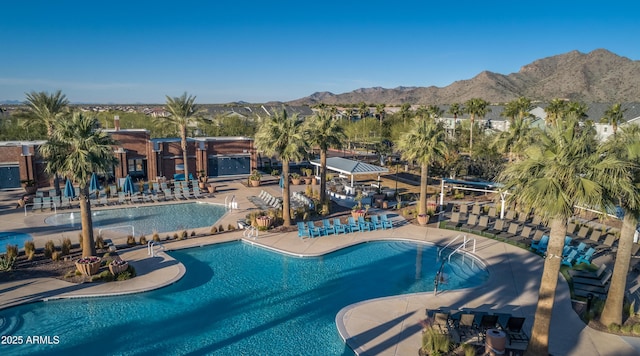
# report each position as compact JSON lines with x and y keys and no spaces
{"x":55,"y":256}
{"x":12,"y":251}
{"x":78,"y":273}
{"x":214,"y":229}
{"x":80,"y":239}
{"x":626,"y":328}
{"x":30,"y":255}
{"x":131,"y":241}
{"x":29,"y":246}
{"x":70,"y":274}
{"x":636,"y":329}
{"x":614,"y":328}
{"x":193,"y":233}
{"x":123,"y":276}
{"x":66,"y":246}
{"x":6,"y":263}
{"x":220,"y":228}
{"x":435,"y":343}
{"x":104,"y":275}
{"x":156,"y":237}
{"x":185,"y":234}
{"x":176,"y":236}
{"x":100,"y":243}
{"x":230,"y":227}
{"x":49,"y":247}
{"x":143,"y":240}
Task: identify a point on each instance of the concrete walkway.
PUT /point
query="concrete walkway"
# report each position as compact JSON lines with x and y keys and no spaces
{"x":386,"y":326}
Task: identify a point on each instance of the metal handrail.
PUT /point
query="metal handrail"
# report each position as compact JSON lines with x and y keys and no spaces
{"x":450,"y":242}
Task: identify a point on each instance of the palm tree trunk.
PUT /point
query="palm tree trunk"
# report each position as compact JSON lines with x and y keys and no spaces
{"x":539,"y":344}
{"x":323,"y":176}
{"x":183,"y":144}
{"x":472,"y":119}
{"x":88,"y":245}
{"x":286,"y":211}
{"x":424,"y":177}
{"x":612,"y":312}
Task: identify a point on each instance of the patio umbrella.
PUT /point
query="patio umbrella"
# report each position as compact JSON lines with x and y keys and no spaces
{"x":69,"y":192}
{"x":127,"y":187}
{"x":93,"y":183}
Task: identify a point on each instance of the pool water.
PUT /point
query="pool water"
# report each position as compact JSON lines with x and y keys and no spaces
{"x":147,"y":219}
{"x":13,"y":238}
{"x":238,"y":299}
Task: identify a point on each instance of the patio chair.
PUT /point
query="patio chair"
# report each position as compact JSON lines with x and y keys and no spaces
{"x":441,"y":322}
{"x":497,"y":228}
{"x":314,"y":231}
{"x":476,"y":209}
{"x":493,"y":212}
{"x":586,"y":257}
{"x":595,"y":236}
{"x":167,"y":194}
{"x":587,"y":274}
{"x":103,"y":200}
{"x":196,"y":192}
{"x":186,"y":193}
{"x":156,"y":187}
{"x":339,"y":226}
{"x":541,"y":244}
{"x":364,"y":225}
{"x":471,"y":222}
{"x":582,"y":233}
{"x":568,"y":260}
{"x":386,"y":222}
{"x":121,"y":198}
{"x":135,"y":198}
{"x":514,"y":330}
{"x":46,"y":203}
{"x":466,"y":327}
{"x":328,"y":228}
{"x":37,"y":203}
{"x":455,"y":221}
{"x":65,"y":202}
{"x":303,"y":231}
{"x":353,"y":225}
{"x":487,"y":322}
{"x":376,"y":222}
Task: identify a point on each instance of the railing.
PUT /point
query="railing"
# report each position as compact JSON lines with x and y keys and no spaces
{"x":450,"y":242}
{"x":150,"y":251}
{"x":250,"y":232}
{"x":230,"y":202}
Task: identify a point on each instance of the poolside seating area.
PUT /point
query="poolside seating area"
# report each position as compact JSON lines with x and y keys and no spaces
{"x":336,"y":226}
{"x":471,"y":326}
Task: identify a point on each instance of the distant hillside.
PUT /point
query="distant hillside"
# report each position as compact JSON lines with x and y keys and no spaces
{"x":598,"y":76}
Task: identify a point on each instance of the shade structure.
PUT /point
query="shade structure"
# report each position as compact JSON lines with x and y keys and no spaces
{"x":69,"y":192}
{"x":281,"y":183}
{"x":93,"y":183}
{"x":127,"y":187}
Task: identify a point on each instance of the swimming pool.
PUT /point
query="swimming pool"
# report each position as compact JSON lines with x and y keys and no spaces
{"x":238,"y":299}
{"x":147,"y":219}
{"x":13,"y":238}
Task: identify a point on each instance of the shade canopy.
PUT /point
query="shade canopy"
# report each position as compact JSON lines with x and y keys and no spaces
{"x":69,"y":192}
{"x":350,"y":167}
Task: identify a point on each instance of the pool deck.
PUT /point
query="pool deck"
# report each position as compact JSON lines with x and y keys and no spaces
{"x":385,"y":326}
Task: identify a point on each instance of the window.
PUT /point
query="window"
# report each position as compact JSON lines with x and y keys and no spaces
{"x":136,"y":165}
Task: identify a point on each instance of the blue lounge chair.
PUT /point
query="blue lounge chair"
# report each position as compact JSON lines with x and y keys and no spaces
{"x":353,"y":225}
{"x":364,"y":225}
{"x":314,"y":231}
{"x":568,"y":260}
{"x":386,"y":222}
{"x":377,"y":224}
{"x":340,"y":227}
{"x":581,"y":247}
{"x":328,"y":228}
{"x":586,"y":257}
{"x":536,"y":245}
{"x":302,"y":230}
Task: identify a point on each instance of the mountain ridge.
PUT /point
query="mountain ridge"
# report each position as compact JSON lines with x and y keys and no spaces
{"x":597,"y":76}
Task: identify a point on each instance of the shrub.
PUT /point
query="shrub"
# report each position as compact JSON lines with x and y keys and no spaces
{"x":185,"y":234}
{"x":143,"y":240}
{"x":55,"y":256}
{"x":220,"y":228}
{"x":106,"y":255}
{"x":29,"y":246}
{"x":100,"y":243}
{"x":636,"y":329}
{"x":30,"y":255}
{"x":49,"y":247}
{"x":193,"y":233}
{"x":131,"y":241}
{"x":614,"y":328}
{"x":6,"y":263}
{"x":230,"y":227}
{"x":12,"y":251}
{"x":214,"y":229}
{"x":626,"y":329}
{"x":66,"y":246}
{"x":435,"y":343}
{"x":80,"y":239}
{"x":155,"y":236}
{"x":175,"y":236}
{"x":70,"y":274}
{"x":123,"y":276}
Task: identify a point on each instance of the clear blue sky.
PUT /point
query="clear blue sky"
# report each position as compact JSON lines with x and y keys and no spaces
{"x":222,"y":51}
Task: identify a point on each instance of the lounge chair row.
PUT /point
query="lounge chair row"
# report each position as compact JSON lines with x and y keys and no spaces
{"x":270,"y":200}
{"x":309,"y":229}
{"x":471,"y":326}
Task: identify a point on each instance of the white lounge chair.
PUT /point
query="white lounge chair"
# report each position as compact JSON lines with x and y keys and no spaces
{"x":186,"y":193}
{"x":37,"y":203}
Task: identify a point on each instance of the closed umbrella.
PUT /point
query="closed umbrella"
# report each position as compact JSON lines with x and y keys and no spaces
{"x":281,"y":183}
{"x":128,"y":185}
{"x":69,"y":192}
{"x":93,"y":183}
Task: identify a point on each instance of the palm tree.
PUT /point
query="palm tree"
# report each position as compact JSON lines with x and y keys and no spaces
{"x":405,"y":112}
{"x":184,"y":113}
{"x":363,"y":109}
{"x":626,"y":146}
{"x":555,"y":175}
{"x":283,"y":136}
{"x":380,"y":112}
{"x":516,"y":138}
{"x":554,"y":110}
{"x":578,"y":109}
{"x":77,"y":148}
{"x":426,"y":145}
{"x":46,"y":108}
{"x":475,"y":107}
{"x":323,"y":131}
{"x":613,"y":116}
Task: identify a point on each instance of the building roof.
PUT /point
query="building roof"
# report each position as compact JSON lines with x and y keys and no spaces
{"x":351,"y":167}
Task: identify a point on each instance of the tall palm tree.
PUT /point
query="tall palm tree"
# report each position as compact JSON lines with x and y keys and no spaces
{"x":363,"y":109}
{"x":578,"y":109}
{"x":614,"y":116}
{"x":626,"y":146}
{"x":46,"y":108}
{"x":405,"y":113}
{"x":184,"y":113}
{"x":554,"y":110}
{"x":426,"y":145}
{"x":77,"y":148}
{"x":475,"y":107}
{"x":456,"y":109}
{"x":323,"y":131}
{"x":555,"y":175}
{"x":283,"y":136}
{"x":380,"y":112}
{"x":516,"y":138}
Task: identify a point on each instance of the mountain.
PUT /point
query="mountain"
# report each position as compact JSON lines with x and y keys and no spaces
{"x":597,"y":76}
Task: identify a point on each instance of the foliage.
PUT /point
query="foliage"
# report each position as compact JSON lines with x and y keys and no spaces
{"x":255,"y":175}
{"x":131,"y":241}
{"x":66,"y":246}
{"x":29,"y":246}
{"x":12,"y":251}
{"x":435,"y":343}
{"x":100,"y":242}
{"x":143,"y":240}
{"x":55,"y":256}
{"x":220,"y":228}
{"x":49,"y":247}
{"x":214,"y":229}
{"x":156,"y":236}
{"x":184,"y":234}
